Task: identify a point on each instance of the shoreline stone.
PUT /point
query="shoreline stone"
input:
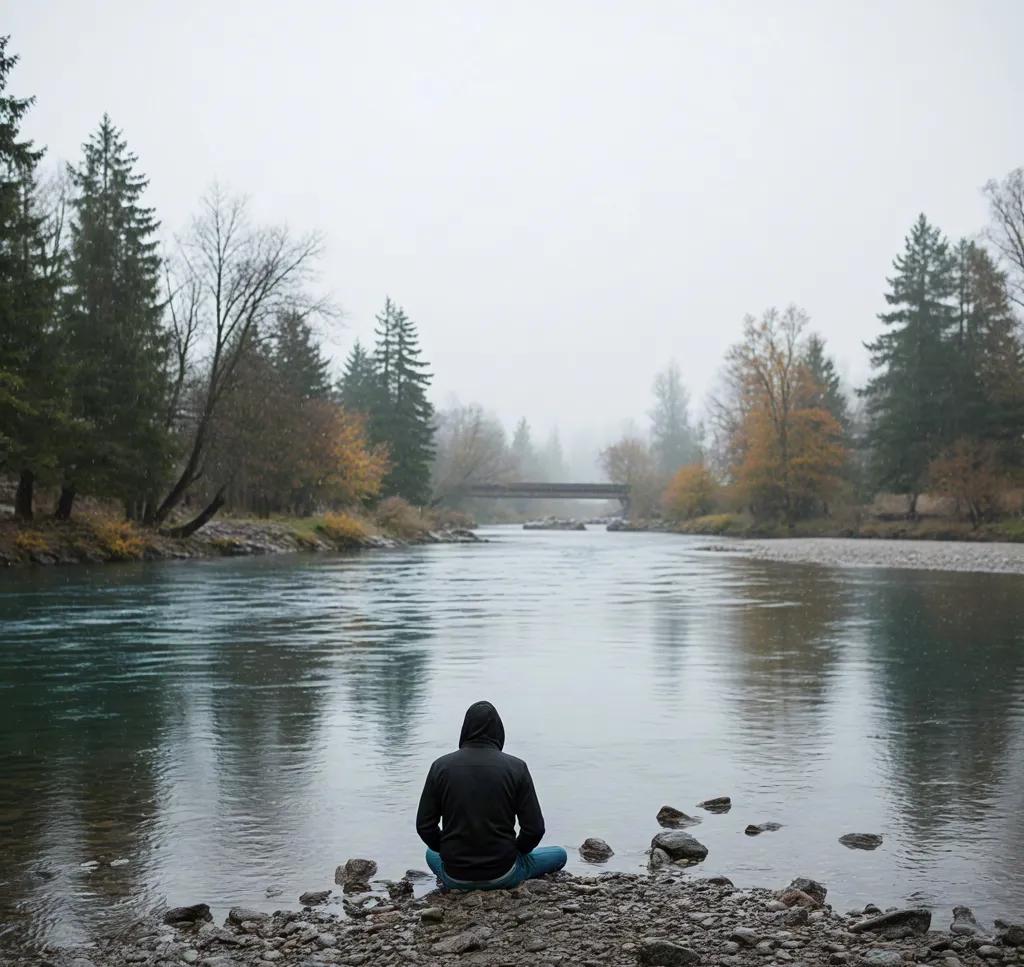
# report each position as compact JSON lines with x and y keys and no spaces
{"x":616,"y":919}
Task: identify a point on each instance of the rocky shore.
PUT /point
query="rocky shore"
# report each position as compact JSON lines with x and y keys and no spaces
{"x":52,"y":543}
{"x":667,"y":917}
{"x":990,"y":557}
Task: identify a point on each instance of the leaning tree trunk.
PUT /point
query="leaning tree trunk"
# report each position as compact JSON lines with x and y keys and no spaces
{"x":65,"y":502}
{"x":23,"y":495}
{"x":187,"y":530}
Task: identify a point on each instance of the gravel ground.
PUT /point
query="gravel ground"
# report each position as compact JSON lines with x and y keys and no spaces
{"x":666,"y":918}
{"x":994,"y":558}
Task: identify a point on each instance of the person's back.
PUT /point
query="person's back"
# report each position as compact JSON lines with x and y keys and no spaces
{"x":477,"y":794}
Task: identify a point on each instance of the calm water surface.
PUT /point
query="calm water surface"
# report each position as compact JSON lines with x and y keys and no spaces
{"x":231,"y":728}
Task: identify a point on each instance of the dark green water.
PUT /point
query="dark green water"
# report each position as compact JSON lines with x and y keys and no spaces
{"x":233,"y":727}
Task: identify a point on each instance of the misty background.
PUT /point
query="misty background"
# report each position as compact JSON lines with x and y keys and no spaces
{"x":563,"y":196}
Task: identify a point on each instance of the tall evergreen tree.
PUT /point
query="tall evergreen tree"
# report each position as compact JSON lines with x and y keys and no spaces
{"x":358,"y":386}
{"x":827,"y":393}
{"x":113,"y":328}
{"x":31,"y":394}
{"x":909,"y":400}
{"x":403,"y":418}
{"x":298,"y":359}
{"x":673,"y":442}
{"x":524,"y":454}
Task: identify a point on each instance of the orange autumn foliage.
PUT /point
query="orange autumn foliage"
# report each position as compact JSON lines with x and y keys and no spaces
{"x":786,"y":452}
{"x":690,"y":493}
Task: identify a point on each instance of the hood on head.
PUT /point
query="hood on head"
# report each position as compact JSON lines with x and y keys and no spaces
{"x":482,"y":726}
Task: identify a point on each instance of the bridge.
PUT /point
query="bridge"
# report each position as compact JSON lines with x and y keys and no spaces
{"x":525,"y":490}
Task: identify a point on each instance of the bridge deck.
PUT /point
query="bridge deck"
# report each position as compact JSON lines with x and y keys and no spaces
{"x":571,"y":491}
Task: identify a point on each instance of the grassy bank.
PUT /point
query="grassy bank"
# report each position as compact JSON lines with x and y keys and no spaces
{"x":98,"y":538}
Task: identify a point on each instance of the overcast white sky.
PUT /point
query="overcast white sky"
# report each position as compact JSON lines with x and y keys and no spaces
{"x":563,"y":194}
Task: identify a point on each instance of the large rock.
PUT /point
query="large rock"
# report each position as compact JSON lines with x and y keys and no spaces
{"x":355,"y":875}
{"x":883,"y":958}
{"x":596,"y":850}
{"x":680,"y":846}
{"x":312,"y":898}
{"x":811,"y":887}
{"x":180,"y":916}
{"x":475,"y":938}
{"x":797,"y":898}
{"x":239,"y":915}
{"x":898,"y":925}
{"x":671,"y":817}
{"x":964,"y":922}
{"x":659,"y":858}
{"x":664,"y":953}
{"x":1012,"y":935}
{"x":861,"y":841}
{"x":721,"y":804}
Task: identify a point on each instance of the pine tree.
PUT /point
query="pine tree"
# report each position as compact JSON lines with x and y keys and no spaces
{"x":31,"y":395}
{"x":826,"y":392}
{"x":673,"y":442}
{"x":297,"y":358}
{"x":524,"y":455}
{"x":358,"y":386}
{"x":403,"y":417}
{"x":909,"y":401}
{"x":113,"y":328}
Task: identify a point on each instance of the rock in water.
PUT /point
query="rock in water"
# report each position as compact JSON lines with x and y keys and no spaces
{"x":722,"y":804}
{"x":861,"y":841}
{"x":179,"y":916}
{"x":680,"y":846}
{"x":237,"y":915}
{"x":753,"y":830}
{"x":898,"y":925}
{"x":355,"y":875}
{"x":1012,"y":935}
{"x":399,"y":889}
{"x":664,"y":953}
{"x":963,"y":922}
{"x":596,"y":850}
{"x":811,"y":887}
{"x":312,"y":898}
{"x":671,"y":817}
{"x":659,"y":858}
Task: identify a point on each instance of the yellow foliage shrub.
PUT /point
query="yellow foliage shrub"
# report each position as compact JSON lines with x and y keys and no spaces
{"x":344,"y":528}
{"x":119,"y":539}
{"x":690,"y":493}
{"x":400,"y":519}
{"x":31,"y":542}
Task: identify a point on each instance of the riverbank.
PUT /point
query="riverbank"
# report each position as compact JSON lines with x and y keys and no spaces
{"x":101,"y":539}
{"x":1009,"y":530}
{"x":665,"y":918}
{"x":926,"y":555}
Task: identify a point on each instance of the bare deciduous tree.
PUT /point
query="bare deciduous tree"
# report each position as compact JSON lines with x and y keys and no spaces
{"x":233,"y":278}
{"x":471,"y":449}
{"x":1006,"y":203}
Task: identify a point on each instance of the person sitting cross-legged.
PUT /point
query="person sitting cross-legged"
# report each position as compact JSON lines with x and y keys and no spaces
{"x":476,"y":794}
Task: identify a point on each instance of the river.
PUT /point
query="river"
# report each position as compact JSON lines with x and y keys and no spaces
{"x":229,"y":731}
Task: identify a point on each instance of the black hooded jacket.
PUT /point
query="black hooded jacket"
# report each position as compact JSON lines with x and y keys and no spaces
{"x":477,"y":793}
